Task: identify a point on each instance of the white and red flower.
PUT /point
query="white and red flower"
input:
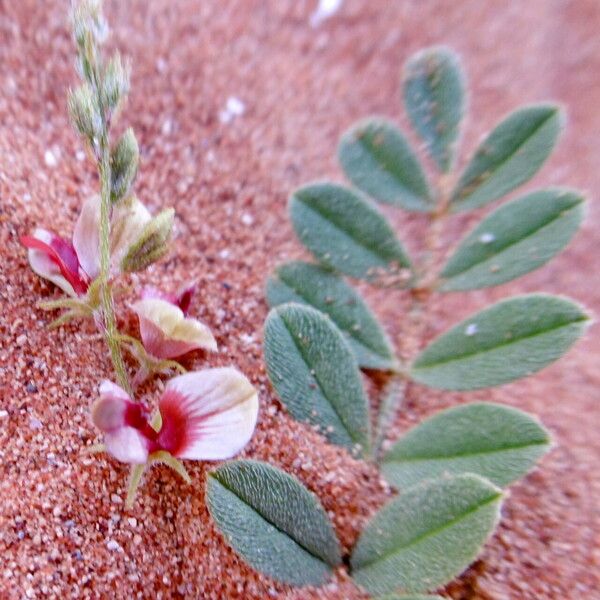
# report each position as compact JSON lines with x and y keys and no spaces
{"x":165,"y":328}
{"x":205,"y":415}
{"x":73,"y":266}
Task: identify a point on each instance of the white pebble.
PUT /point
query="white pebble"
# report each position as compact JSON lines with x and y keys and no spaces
{"x":471,"y":329}
{"x":224,"y":254}
{"x":50,"y":159}
{"x":113,"y":546}
{"x":3,"y":414}
{"x":234,"y":107}
{"x":80,"y":155}
{"x":167,"y":127}
{"x":324,"y":10}
{"x":35,"y":423}
{"x":487,"y":238}
{"x":247,"y":219}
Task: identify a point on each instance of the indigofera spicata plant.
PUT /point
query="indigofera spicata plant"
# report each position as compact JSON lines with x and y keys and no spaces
{"x":201,"y":415}
{"x":450,"y":469}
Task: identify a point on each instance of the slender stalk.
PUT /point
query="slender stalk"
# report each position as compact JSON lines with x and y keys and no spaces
{"x":397,"y":388}
{"x":110,"y":324}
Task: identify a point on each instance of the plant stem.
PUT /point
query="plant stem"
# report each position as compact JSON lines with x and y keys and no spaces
{"x":110,"y":324}
{"x":396,"y":389}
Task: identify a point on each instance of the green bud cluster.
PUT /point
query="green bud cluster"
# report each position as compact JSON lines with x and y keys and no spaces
{"x":124,"y":159}
{"x":152,"y":244}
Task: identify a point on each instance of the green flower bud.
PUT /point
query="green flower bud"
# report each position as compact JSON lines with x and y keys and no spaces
{"x":124,"y":159}
{"x":152,"y":243}
{"x":84,"y":112}
{"x":115,"y":83}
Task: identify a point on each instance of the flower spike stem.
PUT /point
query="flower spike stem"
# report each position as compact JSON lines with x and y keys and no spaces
{"x":110,"y":324}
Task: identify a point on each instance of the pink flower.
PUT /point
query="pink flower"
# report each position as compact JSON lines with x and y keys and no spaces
{"x":205,"y":415}
{"x":72,"y":266}
{"x":165,"y":328}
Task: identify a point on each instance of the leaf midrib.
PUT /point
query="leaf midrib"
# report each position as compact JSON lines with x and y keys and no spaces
{"x":384,"y":161}
{"x":423,"y":458}
{"x":460,"y":198}
{"x":510,"y":244}
{"x":417,"y":367}
{"x":399,"y":254}
{"x":432,"y":532}
{"x":267,"y":520}
{"x":319,"y":383}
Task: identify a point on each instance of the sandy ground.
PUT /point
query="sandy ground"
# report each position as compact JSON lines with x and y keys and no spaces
{"x":63,"y":530}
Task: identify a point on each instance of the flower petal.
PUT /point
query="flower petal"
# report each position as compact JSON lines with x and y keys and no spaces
{"x":182,"y":299}
{"x":54,"y":258}
{"x":128,"y":220}
{"x":165,"y":331}
{"x":122,"y":422}
{"x":208,"y":415}
{"x":127,"y":445}
{"x":86,"y":237}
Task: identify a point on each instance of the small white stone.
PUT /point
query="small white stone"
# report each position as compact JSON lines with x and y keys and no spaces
{"x":235,"y":106}
{"x":324,"y":10}
{"x":471,"y":329}
{"x":247,"y":219}
{"x":224,"y":254}
{"x":3,"y":414}
{"x":80,"y":155}
{"x":487,"y":238}
{"x":26,"y":197}
{"x":50,"y":159}
{"x":116,"y":499}
{"x":35,"y":423}
{"x":21,"y":339}
{"x":113,"y":546}
{"x":167,"y":127}
{"x":161,"y":65}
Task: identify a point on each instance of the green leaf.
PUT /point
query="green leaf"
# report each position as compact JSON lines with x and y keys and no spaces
{"x":510,"y":155}
{"x":315,"y":374}
{"x":318,"y":287}
{"x":378,"y":159}
{"x":508,"y":340}
{"x":434,"y":95}
{"x":515,"y":239}
{"x":494,"y":441}
{"x":427,"y":536}
{"x":347,"y":233}
{"x":278,"y":526}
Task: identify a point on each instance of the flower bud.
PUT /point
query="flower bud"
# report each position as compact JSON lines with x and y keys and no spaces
{"x":84,"y":112}
{"x":87,"y":19}
{"x":115,"y":83}
{"x":152,"y":243}
{"x":123,"y":165}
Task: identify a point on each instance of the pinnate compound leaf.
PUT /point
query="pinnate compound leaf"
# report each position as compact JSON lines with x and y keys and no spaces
{"x":427,"y":536}
{"x":494,"y":441}
{"x":515,"y":239}
{"x":315,"y":374}
{"x":378,"y":160}
{"x":347,"y":233}
{"x":318,"y":287}
{"x":434,"y":95}
{"x":509,"y":156}
{"x":277,"y":525}
{"x":511,"y":339}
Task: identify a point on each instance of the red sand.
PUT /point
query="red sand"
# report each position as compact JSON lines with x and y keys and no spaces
{"x":63,"y":531}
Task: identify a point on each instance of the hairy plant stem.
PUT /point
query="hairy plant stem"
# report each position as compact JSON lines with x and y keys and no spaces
{"x":397,"y":387}
{"x":108,"y":312}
